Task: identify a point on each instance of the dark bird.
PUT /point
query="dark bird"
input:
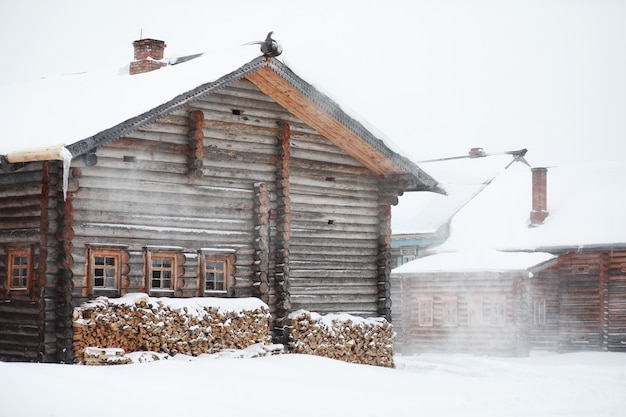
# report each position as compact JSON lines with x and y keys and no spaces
{"x":269,"y":46}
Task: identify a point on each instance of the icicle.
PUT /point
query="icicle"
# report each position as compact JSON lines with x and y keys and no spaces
{"x":66,"y":156}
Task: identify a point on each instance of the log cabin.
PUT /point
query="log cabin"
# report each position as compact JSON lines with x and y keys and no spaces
{"x":188,"y":178}
{"x":575,"y":301}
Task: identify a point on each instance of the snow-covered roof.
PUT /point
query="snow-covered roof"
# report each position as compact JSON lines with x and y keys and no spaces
{"x":66,"y":109}
{"x":83,"y":111}
{"x":419,"y":212}
{"x":586,"y":205}
{"x":476,"y":261}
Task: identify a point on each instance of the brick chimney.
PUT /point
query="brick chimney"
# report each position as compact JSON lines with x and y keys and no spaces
{"x":148,"y":56}
{"x":539,"y":210}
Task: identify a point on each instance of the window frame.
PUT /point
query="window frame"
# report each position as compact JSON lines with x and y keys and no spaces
{"x":498,"y":310}
{"x":105,"y":252}
{"x":425,"y":312}
{"x":540,"y":310}
{"x":450,"y":317}
{"x":475,"y":304}
{"x":20,"y":251}
{"x":227,"y":259}
{"x":172,"y":255}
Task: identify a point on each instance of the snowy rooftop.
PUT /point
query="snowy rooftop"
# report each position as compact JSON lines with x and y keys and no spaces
{"x":586,"y":206}
{"x":425,"y":212}
{"x":476,"y":261}
{"x":65,"y":109}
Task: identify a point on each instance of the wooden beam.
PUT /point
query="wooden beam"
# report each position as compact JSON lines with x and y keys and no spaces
{"x":297,"y":103}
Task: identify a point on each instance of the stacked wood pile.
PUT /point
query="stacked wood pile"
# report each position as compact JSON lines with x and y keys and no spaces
{"x":191,"y":326}
{"x":343,"y":337}
{"x":107,"y":356}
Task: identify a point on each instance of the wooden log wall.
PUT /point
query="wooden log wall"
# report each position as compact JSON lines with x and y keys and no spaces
{"x":484,"y":336}
{"x":386,"y":198}
{"x":544,"y":288}
{"x":159,"y":187}
{"x":616,"y":303}
{"x":334,"y":248}
{"x":283,"y":217}
{"x":397,"y":311}
{"x":22,"y":196}
{"x":580,"y":302}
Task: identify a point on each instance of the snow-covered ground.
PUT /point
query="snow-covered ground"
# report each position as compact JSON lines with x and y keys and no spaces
{"x":545,"y":384}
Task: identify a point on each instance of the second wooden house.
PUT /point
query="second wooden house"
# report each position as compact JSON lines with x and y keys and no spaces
{"x":524,"y":269}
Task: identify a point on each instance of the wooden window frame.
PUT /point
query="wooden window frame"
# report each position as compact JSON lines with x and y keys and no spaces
{"x":172,"y":256}
{"x":112,"y":253}
{"x":12,"y":253}
{"x":475,"y":304}
{"x":425,"y":312}
{"x":540,"y":310}
{"x":450,"y":311}
{"x":227,"y":260}
{"x":498,"y":311}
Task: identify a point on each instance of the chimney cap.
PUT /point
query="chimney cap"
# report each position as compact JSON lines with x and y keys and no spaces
{"x":148,"y":40}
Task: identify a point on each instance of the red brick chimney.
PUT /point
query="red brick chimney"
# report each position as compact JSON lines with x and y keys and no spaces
{"x":540,"y":196}
{"x":148,"y":56}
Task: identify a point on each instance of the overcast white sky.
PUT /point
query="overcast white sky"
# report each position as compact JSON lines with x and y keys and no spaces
{"x":437,"y":77}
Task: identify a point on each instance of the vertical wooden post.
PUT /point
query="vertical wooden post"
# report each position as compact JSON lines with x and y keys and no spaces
{"x":42,"y":269}
{"x":387,"y":196}
{"x":196,"y":138}
{"x":283,"y":227}
{"x":64,"y":284}
{"x":261,"y":241}
{"x":603,"y":288}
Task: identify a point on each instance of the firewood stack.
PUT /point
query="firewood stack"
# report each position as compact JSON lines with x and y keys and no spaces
{"x":343,"y":337}
{"x":150,"y":324}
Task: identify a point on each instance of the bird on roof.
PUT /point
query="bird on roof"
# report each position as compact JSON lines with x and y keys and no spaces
{"x":269,"y":47}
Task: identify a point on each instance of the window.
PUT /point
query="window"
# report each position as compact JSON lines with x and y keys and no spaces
{"x":215,"y":271}
{"x":539,"y":311}
{"x":214,"y":275}
{"x":161,"y":270}
{"x":425,"y":311}
{"x":450,"y":311}
{"x":19,"y":270}
{"x":104,"y":269}
{"x":474,"y":310}
{"x":498,"y":310}
{"x":408,"y":255}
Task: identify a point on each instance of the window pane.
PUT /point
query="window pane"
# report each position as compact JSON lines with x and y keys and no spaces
{"x":99,"y":260}
{"x":219,"y":281}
